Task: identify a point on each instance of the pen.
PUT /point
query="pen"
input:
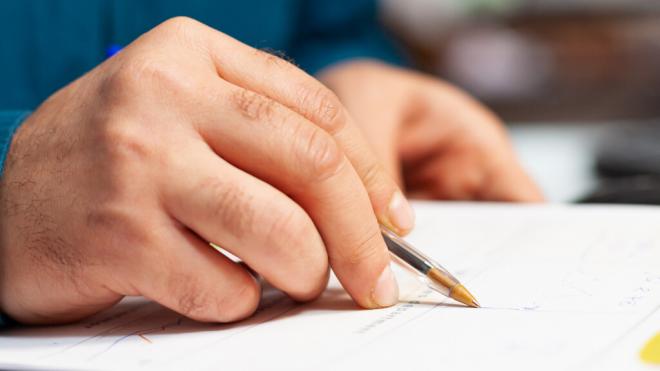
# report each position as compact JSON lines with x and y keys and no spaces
{"x":435,"y":276}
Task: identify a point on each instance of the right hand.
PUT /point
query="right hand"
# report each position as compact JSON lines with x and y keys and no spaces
{"x":117,"y":183}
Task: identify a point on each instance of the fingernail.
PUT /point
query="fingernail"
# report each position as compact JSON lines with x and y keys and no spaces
{"x":386,"y":292}
{"x":401,"y":213}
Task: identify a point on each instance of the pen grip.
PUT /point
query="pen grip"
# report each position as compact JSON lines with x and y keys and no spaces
{"x":419,"y":264}
{"x":407,"y":257}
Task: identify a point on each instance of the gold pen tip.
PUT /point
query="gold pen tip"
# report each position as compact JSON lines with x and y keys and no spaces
{"x":462,"y":295}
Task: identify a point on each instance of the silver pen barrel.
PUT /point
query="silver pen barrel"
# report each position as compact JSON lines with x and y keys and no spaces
{"x":432,"y":273}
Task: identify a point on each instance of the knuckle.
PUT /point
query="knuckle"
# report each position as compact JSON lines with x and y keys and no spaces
{"x":124,"y":142}
{"x":233,"y":206}
{"x":125,"y":237}
{"x":145,"y":74}
{"x":241,"y":303}
{"x":313,"y":278}
{"x":114,"y":223}
{"x":310,"y":288}
{"x":252,"y":106}
{"x":182,"y":33}
{"x":178,"y":24}
{"x":191,"y":301}
{"x":372,"y":174}
{"x":202,"y":302}
{"x":365,"y":249}
{"x":274,"y":57}
{"x":284,"y":225}
{"x":321,"y":155}
{"x":324,"y":108}
{"x":123,"y":81}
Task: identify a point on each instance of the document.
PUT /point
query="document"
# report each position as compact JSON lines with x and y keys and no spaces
{"x":562,"y":288}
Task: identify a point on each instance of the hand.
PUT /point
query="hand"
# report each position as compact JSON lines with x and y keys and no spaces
{"x":432,"y":137}
{"x":117,"y":183}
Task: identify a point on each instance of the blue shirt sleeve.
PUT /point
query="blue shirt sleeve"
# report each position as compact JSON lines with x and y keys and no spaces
{"x":334,"y":31}
{"x":9,"y":122}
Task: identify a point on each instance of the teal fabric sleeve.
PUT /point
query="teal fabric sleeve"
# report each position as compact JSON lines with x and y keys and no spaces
{"x":9,"y":122}
{"x":331,"y":32}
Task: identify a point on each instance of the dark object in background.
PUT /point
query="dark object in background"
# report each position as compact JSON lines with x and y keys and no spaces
{"x":628,"y":161}
{"x":641,"y":190}
{"x":629,"y":151}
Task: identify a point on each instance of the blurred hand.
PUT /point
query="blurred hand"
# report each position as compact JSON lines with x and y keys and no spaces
{"x":430,"y":136}
{"x":117,"y":183}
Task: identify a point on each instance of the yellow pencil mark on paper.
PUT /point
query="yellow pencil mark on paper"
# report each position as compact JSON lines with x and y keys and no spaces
{"x":651,"y":351}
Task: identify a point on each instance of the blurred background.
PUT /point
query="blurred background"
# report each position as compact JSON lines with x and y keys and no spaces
{"x":542,"y":60}
{"x":577,"y":81}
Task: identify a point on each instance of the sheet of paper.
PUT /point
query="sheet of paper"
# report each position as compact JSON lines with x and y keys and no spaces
{"x":562,"y":287}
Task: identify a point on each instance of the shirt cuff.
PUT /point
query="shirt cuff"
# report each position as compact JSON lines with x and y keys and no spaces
{"x":9,"y":122}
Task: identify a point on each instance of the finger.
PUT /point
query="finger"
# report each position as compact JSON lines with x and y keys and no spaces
{"x":455,"y":178}
{"x":250,"y":219}
{"x":467,"y":175}
{"x":283,"y":82}
{"x":507,"y":181}
{"x":266,"y":139}
{"x":188,"y":276}
{"x":472,"y":160}
{"x":420,"y":194}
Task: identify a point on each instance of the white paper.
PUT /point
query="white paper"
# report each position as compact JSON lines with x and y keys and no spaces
{"x":562,"y":287}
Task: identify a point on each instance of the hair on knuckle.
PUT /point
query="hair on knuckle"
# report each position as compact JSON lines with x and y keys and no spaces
{"x":321,"y":106}
{"x":329,"y":111}
{"x":252,"y":106}
{"x":276,"y":56}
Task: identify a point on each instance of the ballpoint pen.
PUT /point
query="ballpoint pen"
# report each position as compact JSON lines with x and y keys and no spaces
{"x":435,"y":276}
